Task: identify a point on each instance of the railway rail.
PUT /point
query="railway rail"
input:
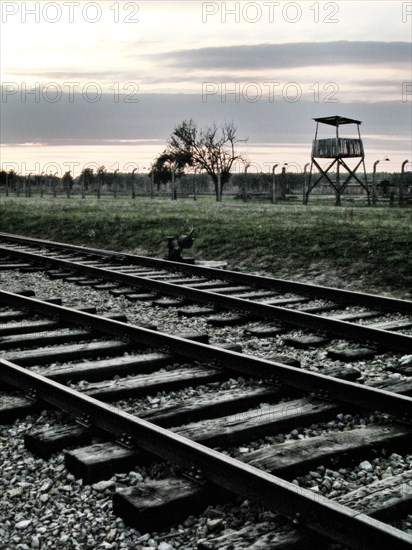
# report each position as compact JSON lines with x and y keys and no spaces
{"x":44,"y":346}
{"x":214,"y":288}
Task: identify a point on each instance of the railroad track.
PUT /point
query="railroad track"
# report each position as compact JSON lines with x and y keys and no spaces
{"x":44,"y":350}
{"x":242,"y":297}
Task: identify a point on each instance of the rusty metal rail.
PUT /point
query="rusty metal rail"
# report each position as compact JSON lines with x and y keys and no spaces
{"x":282,"y":285}
{"x":342,"y":329}
{"x":302,"y":506}
{"x":341,"y":390}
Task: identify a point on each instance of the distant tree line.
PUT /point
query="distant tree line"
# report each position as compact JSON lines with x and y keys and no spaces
{"x":244,"y":186}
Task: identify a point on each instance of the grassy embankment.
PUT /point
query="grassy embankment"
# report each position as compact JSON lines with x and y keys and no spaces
{"x":368,"y":247}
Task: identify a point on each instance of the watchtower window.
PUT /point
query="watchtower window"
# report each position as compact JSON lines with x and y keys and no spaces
{"x":337,"y":147}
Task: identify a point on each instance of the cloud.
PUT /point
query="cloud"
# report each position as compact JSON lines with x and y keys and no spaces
{"x":283,"y":56}
{"x":154,"y":116}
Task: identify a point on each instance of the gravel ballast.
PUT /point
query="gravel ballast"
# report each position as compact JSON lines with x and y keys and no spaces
{"x":43,"y":506}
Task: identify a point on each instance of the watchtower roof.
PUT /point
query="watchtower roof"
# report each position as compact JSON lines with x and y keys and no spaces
{"x":337,"y":120}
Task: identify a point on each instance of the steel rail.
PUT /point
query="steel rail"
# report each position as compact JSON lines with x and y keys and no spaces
{"x":343,"y":329}
{"x":325,"y":386}
{"x":329,"y":293}
{"x":310,"y":510}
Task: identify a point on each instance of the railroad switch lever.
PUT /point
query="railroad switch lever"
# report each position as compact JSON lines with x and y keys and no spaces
{"x":176,"y":245}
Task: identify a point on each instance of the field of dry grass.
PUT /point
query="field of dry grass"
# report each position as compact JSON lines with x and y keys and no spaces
{"x":366,"y":247}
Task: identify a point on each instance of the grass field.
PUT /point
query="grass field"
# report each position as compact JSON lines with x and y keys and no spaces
{"x":370,"y":246}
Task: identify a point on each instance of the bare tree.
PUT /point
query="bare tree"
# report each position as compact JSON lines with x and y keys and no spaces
{"x":212,"y":149}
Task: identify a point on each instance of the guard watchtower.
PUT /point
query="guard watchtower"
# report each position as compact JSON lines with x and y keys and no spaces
{"x":337,"y":148}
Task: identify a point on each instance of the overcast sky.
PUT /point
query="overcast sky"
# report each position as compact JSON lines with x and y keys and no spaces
{"x":106,"y":82}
